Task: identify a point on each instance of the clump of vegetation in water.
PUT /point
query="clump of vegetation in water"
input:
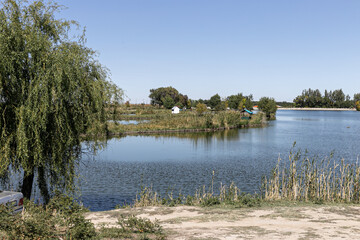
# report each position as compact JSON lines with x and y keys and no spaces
{"x":268,"y":106}
{"x":190,"y":120}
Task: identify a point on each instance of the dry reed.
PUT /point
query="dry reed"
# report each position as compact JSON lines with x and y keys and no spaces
{"x":313,"y":179}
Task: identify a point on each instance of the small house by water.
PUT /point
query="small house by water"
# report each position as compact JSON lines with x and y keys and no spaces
{"x":175,"y":110}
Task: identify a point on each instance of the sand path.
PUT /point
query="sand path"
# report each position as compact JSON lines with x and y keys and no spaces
{"x":183,"y":222}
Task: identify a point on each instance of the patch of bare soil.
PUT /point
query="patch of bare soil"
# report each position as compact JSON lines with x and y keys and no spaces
{"x":183,"y":222}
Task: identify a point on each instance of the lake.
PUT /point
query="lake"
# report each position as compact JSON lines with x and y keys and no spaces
{"x":185,"y":161}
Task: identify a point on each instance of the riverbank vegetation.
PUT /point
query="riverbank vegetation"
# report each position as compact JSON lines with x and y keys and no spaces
{"x":331,"y":99}
{"x":268,"y":106}
{"x":302,"y":179}
{"x":63,"y":218}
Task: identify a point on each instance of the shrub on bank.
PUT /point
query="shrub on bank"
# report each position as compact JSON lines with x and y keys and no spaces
{"x":62,"y":218}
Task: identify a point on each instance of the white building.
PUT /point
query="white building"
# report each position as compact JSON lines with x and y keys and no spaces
{"x":175,"y":110}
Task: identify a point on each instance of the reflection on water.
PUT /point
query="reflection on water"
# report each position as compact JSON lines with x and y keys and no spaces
{"x":127,"y":122}
{"x":185,"y":161}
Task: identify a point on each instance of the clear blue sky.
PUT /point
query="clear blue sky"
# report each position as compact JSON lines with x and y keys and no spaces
{"x":272,"y":48}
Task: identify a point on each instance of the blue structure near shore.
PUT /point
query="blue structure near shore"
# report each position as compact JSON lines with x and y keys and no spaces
{"x":246,"y":114}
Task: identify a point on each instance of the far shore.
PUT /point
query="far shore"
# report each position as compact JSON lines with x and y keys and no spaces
{"x":318,"y":109}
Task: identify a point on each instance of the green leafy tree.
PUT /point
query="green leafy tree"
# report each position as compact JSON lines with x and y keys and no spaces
{"x":201,"y":108}
{"x":357,"y":105}
{"x":356,"y":97}
{"x":242,"y":104}
{"x":235,"y":100}
{"x":331,"y":99}
{"x":338,"y":97}
{"x":357,"y":101}
{"x":214,"y":101}
{"x":51,"y":92}
{"x":268,"y":106}
{"x":159,"y":94}
{"x":249,"y":102}
{"x":168,"y":102}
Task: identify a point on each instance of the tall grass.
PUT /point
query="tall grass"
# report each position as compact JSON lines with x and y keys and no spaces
{"x":305,"y":178}
{"x":203,"y":196}
{"x":301,"y":178}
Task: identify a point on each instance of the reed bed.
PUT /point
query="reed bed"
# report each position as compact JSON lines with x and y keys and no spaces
{"x":301,"y":179}
{"x":203,"y":196}
{"x":305,"y":178}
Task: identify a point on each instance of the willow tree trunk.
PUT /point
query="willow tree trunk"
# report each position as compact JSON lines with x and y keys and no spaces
{"x":27,"y":184}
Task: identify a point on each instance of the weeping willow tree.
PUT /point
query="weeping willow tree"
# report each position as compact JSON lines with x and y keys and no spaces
{"x":52,"y":90}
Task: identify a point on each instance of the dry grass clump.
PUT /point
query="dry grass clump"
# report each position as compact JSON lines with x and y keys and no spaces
{"x":311,"y":179}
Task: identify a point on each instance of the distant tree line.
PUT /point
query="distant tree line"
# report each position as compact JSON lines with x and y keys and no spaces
{"x":331,"y":99}
{"x":169,"y":97}
{"x":238,"y":101}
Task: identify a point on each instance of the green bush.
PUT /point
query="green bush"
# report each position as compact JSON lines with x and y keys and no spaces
{"x":62,"y":218}
{"x":135,"y":224}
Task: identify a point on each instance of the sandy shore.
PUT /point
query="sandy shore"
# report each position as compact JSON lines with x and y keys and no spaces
{"x":318,"y":109}
{"x":184,"y":222}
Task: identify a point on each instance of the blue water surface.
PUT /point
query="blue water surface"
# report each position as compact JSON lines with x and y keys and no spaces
{"x":183,"y":162}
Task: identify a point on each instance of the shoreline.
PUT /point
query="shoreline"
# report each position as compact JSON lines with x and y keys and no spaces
{"x":318,"y":109}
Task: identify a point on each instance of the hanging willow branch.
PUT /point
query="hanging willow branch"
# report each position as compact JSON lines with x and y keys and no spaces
{"x":51,"y":91}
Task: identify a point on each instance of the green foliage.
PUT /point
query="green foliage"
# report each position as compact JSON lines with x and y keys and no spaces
{"x":168,"y":102}
{"x":52,"y":90}
{"x":210,"y":201}
{"x":357,"y":105}
{"x":356,"y":97}
{"x":268,"y":106}
{"x":132,"y":227}
{"x":160,"y":95}
{"x":201,"y":108}
{"x":209,"y":121}
{"x":239,"y":101}
{"x":215,"y":102}
{"x":225,"y":196}
{"x":332,"y":99}
{"x":55,"y":221}
{"x":135,"y":224}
